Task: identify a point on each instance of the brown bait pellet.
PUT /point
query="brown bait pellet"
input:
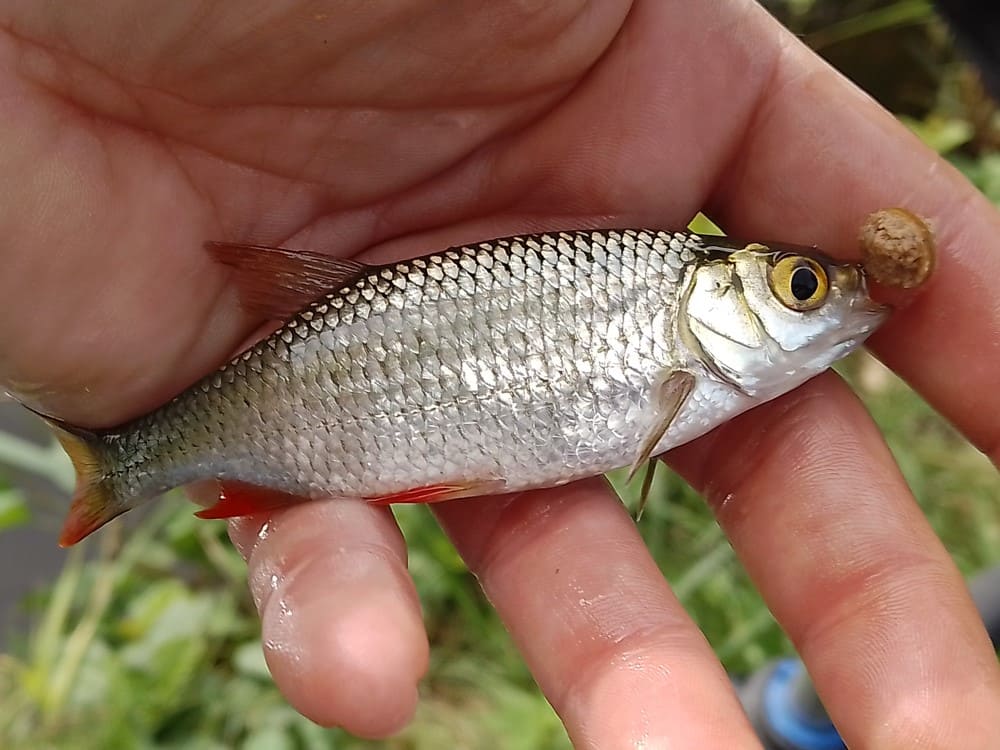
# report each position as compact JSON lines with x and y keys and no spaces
{"x":897,"y":248}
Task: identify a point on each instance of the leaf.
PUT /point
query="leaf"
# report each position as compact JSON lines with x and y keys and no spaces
{"x":249,"y":660}
{"x":269,"y":738}
{"x":989,"y":176}
{"x":943,"y":134}
{"x":95,"y":679}
{"x":193,"y":743}
{"x":314,"y":737}
{"x":701,"y":224}
{"x":48,"y":461}
{"x":13,"y":510}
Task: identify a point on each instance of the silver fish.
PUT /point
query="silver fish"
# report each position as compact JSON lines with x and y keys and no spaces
{"x":511,"y":364}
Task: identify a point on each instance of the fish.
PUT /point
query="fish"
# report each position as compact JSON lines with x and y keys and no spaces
{"x":494,"y":367}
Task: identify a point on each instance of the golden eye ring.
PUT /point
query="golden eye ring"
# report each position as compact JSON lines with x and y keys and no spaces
{"x":799,"y":283}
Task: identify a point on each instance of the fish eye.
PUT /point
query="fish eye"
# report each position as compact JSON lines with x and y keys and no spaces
{"x":799,"y":283}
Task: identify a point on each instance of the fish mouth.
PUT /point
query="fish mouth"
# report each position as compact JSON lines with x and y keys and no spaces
{"x":862,"y":302}
{"x":869,"y":313}
{"x":869,"y":316}
{"x":876,"y":312}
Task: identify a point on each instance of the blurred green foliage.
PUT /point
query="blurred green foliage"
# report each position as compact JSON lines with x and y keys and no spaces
{"x":149,"y":640}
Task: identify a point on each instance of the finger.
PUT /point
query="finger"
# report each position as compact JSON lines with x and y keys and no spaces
{"x":607,"y":641}
{"x":341,"y":625}
{"x":818,"y":156}
{"x":816,"y":508}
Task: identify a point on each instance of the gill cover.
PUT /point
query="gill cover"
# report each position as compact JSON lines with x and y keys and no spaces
{"x":764,"y":320}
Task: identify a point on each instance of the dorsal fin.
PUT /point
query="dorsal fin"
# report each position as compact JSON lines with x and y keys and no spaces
{"x":276,"y":283}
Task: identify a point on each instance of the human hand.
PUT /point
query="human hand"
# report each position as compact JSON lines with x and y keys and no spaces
{"x":132,"y":135}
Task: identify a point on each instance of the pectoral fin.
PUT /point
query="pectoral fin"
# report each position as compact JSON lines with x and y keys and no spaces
{"x":667,"y":400}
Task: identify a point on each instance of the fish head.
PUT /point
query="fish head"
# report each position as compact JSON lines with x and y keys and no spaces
{"x":766,"y":320}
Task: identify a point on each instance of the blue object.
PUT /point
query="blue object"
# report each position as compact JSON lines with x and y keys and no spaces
{"x":790,"y":721}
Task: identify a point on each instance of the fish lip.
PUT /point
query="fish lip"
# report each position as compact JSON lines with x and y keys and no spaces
{"x":869,"y":306}
{"x":876,"y":312}
{"x":871,"y":316}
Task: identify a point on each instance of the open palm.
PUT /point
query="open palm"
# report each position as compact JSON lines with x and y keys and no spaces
{"x":133,"y":134}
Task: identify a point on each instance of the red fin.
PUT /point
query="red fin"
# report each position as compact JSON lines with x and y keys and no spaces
{"x":437,"y":493}
{"x":277,"y":283}
{"x":242,"y":499}
{"x":94,"y":500}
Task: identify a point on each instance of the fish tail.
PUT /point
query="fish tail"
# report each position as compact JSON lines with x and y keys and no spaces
{"x":95,"y":501}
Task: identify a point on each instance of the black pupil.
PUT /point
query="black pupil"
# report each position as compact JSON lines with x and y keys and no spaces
{"x":804,"y":284}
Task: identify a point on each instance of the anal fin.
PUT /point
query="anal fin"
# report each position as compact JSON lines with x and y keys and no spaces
{"x":243,"y":499}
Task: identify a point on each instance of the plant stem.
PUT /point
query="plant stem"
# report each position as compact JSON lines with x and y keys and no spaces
{"x":80,"y":638}
{"x":45,"y":648}
{"x":902,"y":13}
{"x":702,"y":570}
{"x":745,"y":634}
{"x":224,"y":562}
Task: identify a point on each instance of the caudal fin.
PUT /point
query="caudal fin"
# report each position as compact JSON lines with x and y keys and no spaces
{"x":94,"y":501}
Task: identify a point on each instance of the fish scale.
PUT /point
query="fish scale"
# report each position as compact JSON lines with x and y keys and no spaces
{"x":464,"y":416}
{"x":505,"y":365}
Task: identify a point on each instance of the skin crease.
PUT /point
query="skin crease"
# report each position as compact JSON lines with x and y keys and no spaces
{"x":408,"y":126}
